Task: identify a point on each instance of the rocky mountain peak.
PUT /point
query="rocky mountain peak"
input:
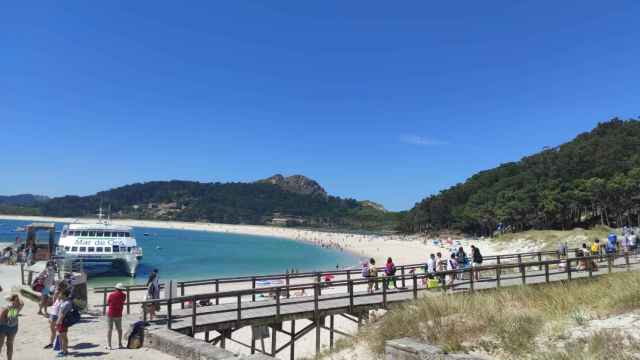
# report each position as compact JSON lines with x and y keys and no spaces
{"x":296,"y":183}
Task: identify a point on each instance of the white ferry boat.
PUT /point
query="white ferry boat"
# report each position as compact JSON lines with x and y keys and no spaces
{"x":101,"y":243}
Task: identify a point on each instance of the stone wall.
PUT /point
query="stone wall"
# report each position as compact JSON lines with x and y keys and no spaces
{"x":409,"y":349}
{"x":188,"y":348}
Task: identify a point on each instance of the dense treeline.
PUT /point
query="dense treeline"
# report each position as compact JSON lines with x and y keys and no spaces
{"x":593,"y":179}
{"x":231,"y":203}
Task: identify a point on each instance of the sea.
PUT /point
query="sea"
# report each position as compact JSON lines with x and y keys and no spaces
{"x":191,"y":255}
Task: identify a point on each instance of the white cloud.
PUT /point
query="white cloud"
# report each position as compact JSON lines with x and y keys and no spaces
{"x":421,"y":140}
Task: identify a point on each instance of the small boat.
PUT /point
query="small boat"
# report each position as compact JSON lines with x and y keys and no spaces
{"x":147,"y":234}
{"x":19,"y":229}
{"x":158,"y":248}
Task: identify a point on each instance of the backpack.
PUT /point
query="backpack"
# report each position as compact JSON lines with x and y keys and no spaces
{"x":594,"y":248}
{"x":365,"y":271}
{"x":135,"y":339}
{"x":72,"y":317}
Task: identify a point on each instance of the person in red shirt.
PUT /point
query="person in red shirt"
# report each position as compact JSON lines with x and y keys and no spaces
{"x":115,"y":303}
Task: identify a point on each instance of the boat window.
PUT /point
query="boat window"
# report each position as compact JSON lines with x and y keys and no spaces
{"x":128,"y":249}
{"x":120,"y":234}
{"x":66,"y":248}
{"x":127,"y":235}
{"x":99,"y":233}
{"x":99,"y":249}
{"x":64,"y":233}
{"x":85,"y":233}
{"x":91,"y":249}
{"x":74,"y":249}
{"x":70,"y":233}
{"x":107,"y":249}
{"x":83,"y":249}
{"x":116,"y":248}
{"x":92,"y":233}
{"x":107,"y":234}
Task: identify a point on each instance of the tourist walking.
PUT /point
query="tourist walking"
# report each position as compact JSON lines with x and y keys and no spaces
{"x":452,"y":265}
{"x":62,"y":326}
{"x":477,"y":259}
{"x":153,"y":293}
{"x":53,"y":315}
{"x":441,"y":265}
{"x":431,"y":265}
{"x":390,"y":272}
{"x":47,"y":280}
{"x":9,"y":323}
{"x":115,"y":303}
{"x":372,"y":276}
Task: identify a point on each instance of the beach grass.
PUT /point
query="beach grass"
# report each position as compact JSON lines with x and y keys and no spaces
{"x":509,"y":323}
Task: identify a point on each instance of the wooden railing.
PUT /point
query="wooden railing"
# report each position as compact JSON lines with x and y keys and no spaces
{"x":414,"y":277}
{"x":494,"y":273}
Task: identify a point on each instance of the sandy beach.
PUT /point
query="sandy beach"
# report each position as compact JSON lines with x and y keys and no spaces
{"x":404,"y":249}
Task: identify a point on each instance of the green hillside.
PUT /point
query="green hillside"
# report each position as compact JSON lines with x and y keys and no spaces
{"x":593,"y":179}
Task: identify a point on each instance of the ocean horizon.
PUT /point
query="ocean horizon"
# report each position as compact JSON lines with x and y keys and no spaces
{"x":193,"y":254}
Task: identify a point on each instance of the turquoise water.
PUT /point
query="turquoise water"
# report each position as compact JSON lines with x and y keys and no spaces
{"x":189,"y":255}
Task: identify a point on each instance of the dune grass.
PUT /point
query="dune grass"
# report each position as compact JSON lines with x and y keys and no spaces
{"x":507,"y":322}
{"x":549,"y":239}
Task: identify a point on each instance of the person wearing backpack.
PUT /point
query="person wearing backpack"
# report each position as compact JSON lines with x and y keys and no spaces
{"x":65,"y":320}
{"x":9,"y":322}
{"x":373,"y":276}
{"x":390,"y":272}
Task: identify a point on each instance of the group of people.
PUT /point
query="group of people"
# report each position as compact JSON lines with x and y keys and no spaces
{"x":458,"y":260}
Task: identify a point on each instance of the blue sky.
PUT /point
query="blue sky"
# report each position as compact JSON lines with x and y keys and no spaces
{"x":376,"y":100}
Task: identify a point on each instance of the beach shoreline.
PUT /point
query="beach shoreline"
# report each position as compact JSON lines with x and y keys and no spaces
{"x":404,"y":249}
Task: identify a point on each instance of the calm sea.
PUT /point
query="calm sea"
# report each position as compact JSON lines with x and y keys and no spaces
{"x":188,"y":255}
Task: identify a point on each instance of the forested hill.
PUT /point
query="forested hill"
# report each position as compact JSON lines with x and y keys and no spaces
{"x":232,"y":203}
{"x":592,"y":179}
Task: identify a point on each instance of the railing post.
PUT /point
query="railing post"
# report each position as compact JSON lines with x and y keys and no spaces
{"x":182,"y":295}
{"x":239,"y":310}
{"x":169,"y":304}
{"x":193,"y":316}
{"x":104,"y":301}
{"x":546,"y":272}
{"x":350,"y":296}
{"x":590,"y":266}
{"x":217,"y":291}
{"x":414,"y":277}
{"x":348,"y":275}
{"x":610,"y":262}
{"x":520,"y":262}
{"x":568,"y":268}
{"x":498,"y":274}
{"x":22,"y":274}
{"x":253,"y":287}
{"x":319,"y":281}
{"x":316,"y":294}
{"x":385,"y":283}
{"x":402,"y":273}
{"x":128,"y":300}
{"x":287,"y":281}
{"x":278,"y":290}
{"x":471,"y":287}
{"x":523,"y":272}
{"x":539,"y":261}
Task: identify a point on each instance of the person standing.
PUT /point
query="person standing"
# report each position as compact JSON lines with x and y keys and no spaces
{"x":9,"y":323}
{"x":115,"y":303}
{"x":441,"y":265}
{"x":431,"y":265}
{"x":153,"y":293}
{"x":451,"y":266}
{"x":66,"y":306}
{"x":477,"y":261}
{"x":390,"y":273}
{"x":373,"y":276}
{"x":48,"y":279}
{"x":53,"y":316}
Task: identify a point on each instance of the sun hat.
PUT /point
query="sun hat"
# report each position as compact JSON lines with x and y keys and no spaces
{"x":119,"y":286}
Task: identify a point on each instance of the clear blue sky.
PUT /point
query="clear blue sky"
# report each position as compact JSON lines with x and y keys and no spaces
{"x":388,"y":101}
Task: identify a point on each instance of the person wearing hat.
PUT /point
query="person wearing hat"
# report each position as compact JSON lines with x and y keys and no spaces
{"x":9,"y":322}
{"x":115,"y":303}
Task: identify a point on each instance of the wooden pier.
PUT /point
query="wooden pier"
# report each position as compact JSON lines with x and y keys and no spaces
{"x":234,"y":310}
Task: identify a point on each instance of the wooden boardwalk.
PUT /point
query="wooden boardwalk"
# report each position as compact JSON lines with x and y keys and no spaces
{"x":344,"y":298}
